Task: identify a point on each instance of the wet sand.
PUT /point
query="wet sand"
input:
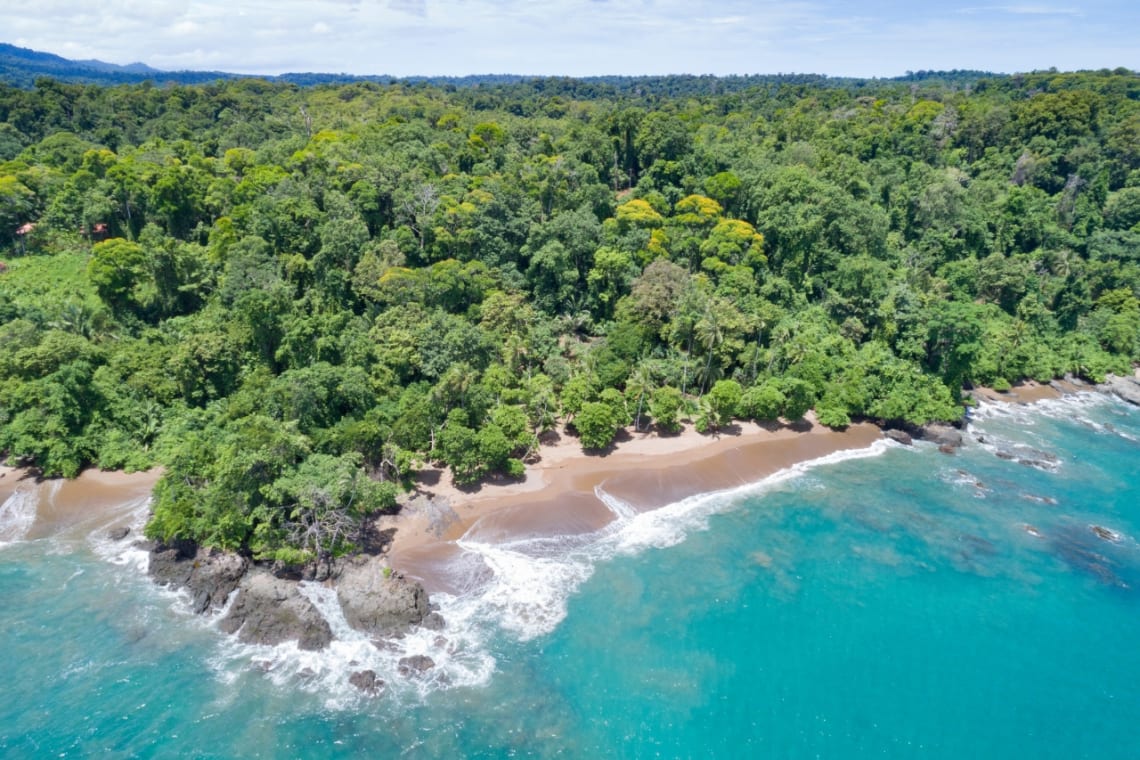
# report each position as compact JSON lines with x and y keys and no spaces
{"x":558,"y":496}
{"x":93,"y":500}
{"x":10,"y":477}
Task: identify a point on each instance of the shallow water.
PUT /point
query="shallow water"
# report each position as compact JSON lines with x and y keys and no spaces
{"x":901,"y":603}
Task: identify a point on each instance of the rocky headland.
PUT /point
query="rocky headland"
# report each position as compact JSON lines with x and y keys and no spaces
{"x":1126,"y":388}
{"x":268,"y":606}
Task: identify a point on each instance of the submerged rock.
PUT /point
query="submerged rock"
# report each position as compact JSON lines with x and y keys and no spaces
{"x":1105,"y":534}
{"x":377,"y":601}
{"x":118,"y":534}
{"x":433,"y":621}
{"x":208,"y":574}
{"x":942,"y":435}
{"x":1042,"y":460}
{"x":269,"y":610}
{"x":1073,"y":546}
{"x":416,"y":665}
{"x":367,"y":682}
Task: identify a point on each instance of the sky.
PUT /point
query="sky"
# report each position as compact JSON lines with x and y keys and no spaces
{"x":580,"y":37}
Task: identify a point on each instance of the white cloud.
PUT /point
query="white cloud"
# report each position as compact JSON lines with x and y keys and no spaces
{"x":580,"y":37}
{"x":1023,"y":10}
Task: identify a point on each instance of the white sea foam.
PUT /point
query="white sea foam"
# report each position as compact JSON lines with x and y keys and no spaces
{"x":527,"y":595}
{"x":622,"y":509}
{"x":459,"y":660}
{"x":532,"y":580}
{"x":519,"y":589}
{"x":17,"y":514}
{"x":124,"y":552}
{"x":1075,"y":407}
{"x":1079,"y":408}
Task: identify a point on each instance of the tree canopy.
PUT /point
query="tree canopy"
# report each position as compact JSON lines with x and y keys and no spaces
{"x":294,"y":297}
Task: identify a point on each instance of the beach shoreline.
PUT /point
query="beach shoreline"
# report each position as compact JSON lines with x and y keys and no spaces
{"x":559,"y":494}
{"x":96,"y":499}
{"x":644,"y":471}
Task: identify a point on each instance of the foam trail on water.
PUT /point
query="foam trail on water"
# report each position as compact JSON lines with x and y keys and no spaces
{"x":124,"y":553}
{"x":17,"y":514}
{"x":671,"y":524}
{"x":622,"y":509}
{"x":528,"y":593}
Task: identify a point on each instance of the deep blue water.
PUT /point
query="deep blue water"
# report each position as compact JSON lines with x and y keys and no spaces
{"x":905,"y":603}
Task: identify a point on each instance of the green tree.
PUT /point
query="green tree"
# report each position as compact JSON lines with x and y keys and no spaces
{"x":597,"y":425}
{"x":665,"y":407}
{"x":117,"y":269}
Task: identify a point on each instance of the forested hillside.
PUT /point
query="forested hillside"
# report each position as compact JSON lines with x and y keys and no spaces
{"x":293,"y":297}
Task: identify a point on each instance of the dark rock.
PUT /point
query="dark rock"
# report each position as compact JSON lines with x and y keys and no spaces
{"x":270,"y":610}
{"x":942,"y":435}
{"x":1105,"y":534}
{"x":433,"y":621}
{"x":367,"y":682}
{"x":377,"y":601}
{"x":947,"y":448}
{"x":899,"y":436}
{"x":1127,"y":388}
{"x":287,"y":572}
{"x":1042,"y":460}
{"x":118,"y":534}
{"x":208,"y":574}
{"x":415,"y":665}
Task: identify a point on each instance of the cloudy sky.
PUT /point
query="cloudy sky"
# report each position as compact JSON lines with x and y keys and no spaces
{"x":580,"y":37}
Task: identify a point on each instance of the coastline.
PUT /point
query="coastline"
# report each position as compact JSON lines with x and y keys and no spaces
{"x":95,"y":499}
{"x":557,"y":497}
{"x":1029,"y":392}
{"x":643,"y":471}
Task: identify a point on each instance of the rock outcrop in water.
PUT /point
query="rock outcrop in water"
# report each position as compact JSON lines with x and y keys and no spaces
{"x":1127,"y":388}
{"x":209,"y":575}
{"x":367,"y":682}
{"x":941,"y":435}
{"x":271,"y":609}
{"x":377,"y":601}
{"x":899,"y":436}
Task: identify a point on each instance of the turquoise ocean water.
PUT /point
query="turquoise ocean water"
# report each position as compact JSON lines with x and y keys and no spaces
{"x":899,"y":603}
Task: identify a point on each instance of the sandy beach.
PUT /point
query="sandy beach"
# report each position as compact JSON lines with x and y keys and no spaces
{"x":95,"y":499}
{"x":557,"y":496}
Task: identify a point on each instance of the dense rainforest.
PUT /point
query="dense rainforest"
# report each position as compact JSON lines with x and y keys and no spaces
{"x":294,"y":297}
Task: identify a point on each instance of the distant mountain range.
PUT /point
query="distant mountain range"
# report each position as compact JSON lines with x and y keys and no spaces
{"x":21,"y":67}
